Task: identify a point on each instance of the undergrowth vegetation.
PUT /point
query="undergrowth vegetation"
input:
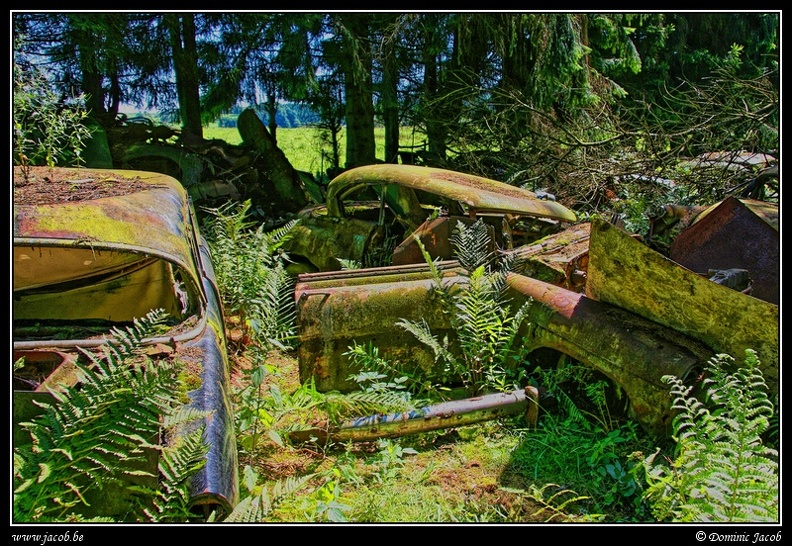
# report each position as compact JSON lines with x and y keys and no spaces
{"x":584,"y":461}
{"x":722,"y":468}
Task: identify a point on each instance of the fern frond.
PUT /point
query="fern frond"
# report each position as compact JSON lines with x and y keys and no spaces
{"x":276,"y":237}
{"x":722,"y":471}
{"x":256,"y":508}
{"x":366,"y":403}
{"x":423,"y":334}
{"x":177,"y":465}
{"x":97,"y":432}
{"x":272,"y":310}
{"x":471,"y":245}
{"x":436,"y":275}
{"x":349,"y":264}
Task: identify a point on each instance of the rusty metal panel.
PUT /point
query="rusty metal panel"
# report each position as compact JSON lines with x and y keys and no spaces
{"x":632,"y":351}
{"x":156,"y":219}
{"x":626,"y":273}
{"x":435,"y":235}
{"x":331,"y":316}
{"x":352,"y":277}
{"x":735,"y":234}
{"x":560,"y":258}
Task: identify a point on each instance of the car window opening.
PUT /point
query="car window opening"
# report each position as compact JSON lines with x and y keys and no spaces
{"x":75,"y":286}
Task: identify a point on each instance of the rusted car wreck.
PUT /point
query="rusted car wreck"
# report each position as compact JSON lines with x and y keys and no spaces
{"x":604,"y":298}
{"x":83,"y":266}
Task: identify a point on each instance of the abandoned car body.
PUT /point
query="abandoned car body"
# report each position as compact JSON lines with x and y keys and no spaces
{"x":84,"y":267}
{"x":377,"y":208}
{"x":632,"y":344}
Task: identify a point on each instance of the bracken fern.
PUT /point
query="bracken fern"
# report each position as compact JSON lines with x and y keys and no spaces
{"x":722,"y":471}
{"x":251,"y":273}
{"x":96,"y":433}
{"x":486,"y":327}
{"x":172,"y":500}
{"x":256,"y":508}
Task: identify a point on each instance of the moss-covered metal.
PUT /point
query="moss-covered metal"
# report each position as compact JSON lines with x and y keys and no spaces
{"x":335,"y":310}
{"x":635,"y":353}
{"x":365,"y":308}
{"x":154,"y":221}
{"x":115,"y":258}
{"x":626,"y":273}
{"x":475,"y":192}
{"x":326,"y":239}
{"x":403,"y":197}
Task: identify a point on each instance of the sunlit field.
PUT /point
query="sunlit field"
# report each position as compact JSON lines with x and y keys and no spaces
{"x":304,"y":146}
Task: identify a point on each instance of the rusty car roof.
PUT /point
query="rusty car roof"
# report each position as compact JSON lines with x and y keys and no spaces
{"x":155,"y":220}
{"x":768,"y":212}
{"x":476,"y":192}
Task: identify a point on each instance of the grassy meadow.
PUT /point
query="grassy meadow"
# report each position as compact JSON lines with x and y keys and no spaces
{"x":304,"y":146}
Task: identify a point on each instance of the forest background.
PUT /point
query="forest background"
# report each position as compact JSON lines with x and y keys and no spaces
{"x":541,"y":97}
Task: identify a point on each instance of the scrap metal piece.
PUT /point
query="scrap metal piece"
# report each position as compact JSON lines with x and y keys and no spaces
{"x":369,"y":205}
{"x":735,"y":233}
{"x":336,"y":310}
{"x":449,"y":414}
{"x":738,"y":279}
{"x":85,"y":266}
{"x":435,"y":235}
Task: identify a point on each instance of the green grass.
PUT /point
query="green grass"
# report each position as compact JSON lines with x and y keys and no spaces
{"x":495,"y":472}
{"x":303,"y":146}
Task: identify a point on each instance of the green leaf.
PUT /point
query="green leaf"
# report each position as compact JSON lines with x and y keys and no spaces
{"x":249,"y":478}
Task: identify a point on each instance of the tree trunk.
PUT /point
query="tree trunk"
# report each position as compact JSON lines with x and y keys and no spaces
{"x":435,"y":128}
{"x":272,"y":111}
{"x":390,"y":103}
{"x":115,"y":95}
{"x":91,"y":78}
{"x":361,"y":149}
{"x":185,"y":67}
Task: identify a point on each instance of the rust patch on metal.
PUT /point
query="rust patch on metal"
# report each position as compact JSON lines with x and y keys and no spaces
{"x":735,"y":234}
